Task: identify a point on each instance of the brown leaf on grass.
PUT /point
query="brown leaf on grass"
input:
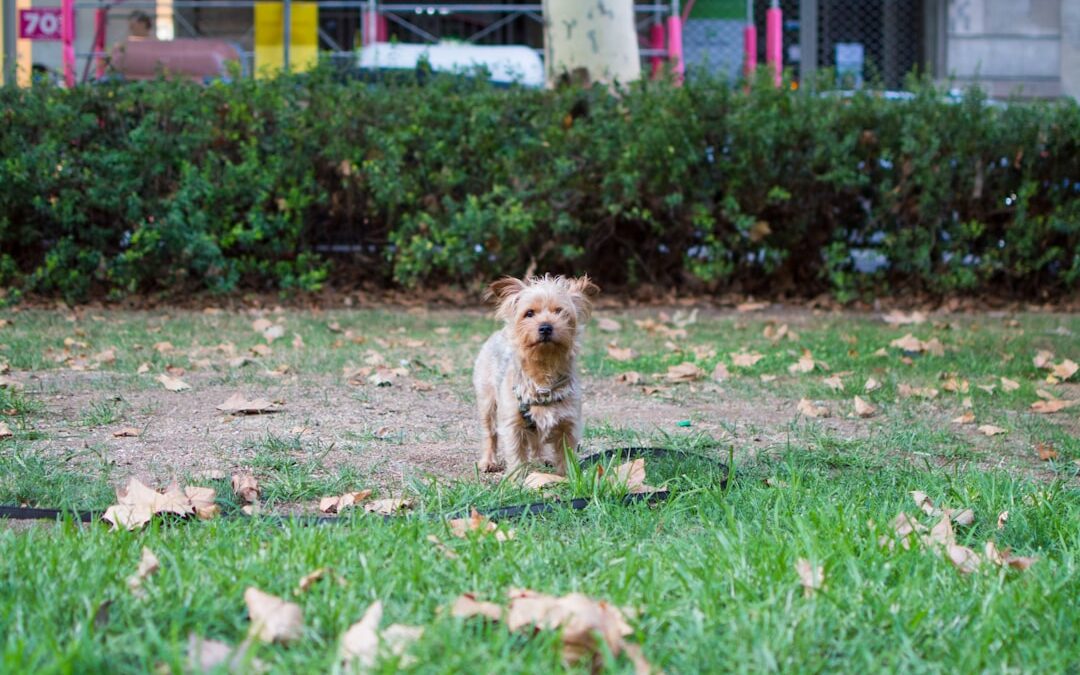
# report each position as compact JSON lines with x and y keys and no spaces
{"x":1045,"y":395}
{"x":631,"y":377}
{"x":1043,"y":359}
{"x":205,"y":656}
{"x":107,"y":356}
{"x":461,"y":527}
{"x":963,"y":558}
{"x":173,"y":383}
{"x":903,"y":527}
{"x":163,"y":347}
{"x":620,"y":353}
{"x":956,"y":386}
{"x":261,"y":350}
{"x":925,"y":504}
{"x":261,"y":325}
{"x":388,"y":507}
{"x":1009,"y":385}
{"x":991,"y":430}
{"x":805,"y":364}
{"x":537,"y":480}
{"x":360,"y":643}
{"x":911,"y":344}
{"x":148,"y":565}
{"x":834,"y":382}
{"x":1046,"y":451}
{"x":581,"y":620}
{"x":720,"y":373}
{"x":1006,"y":558}
{"x":127,"y":432}
{"x":941,"y":533}
{"x":1051,"y":407}
{"x":466,"y":606}
{"x":907,"y":391}
{"x":632,"y":475}
{"x":5,"y":431}
{"x":608,"y":325}
{"x":1065,"y":370}
{"x":237,"y":404}
{"x":751,"y":306}
{"x":310,"y":579}
{"x":966,"y":418}
{"x":684,"y":372}
{"x":745,"y":359}
{"x":274,"y":332}
{"x":871,"y":385}
{"x":1002,"y":518}
{"x":864,"y":409}
{"x":812,"y":578}
{"x":204,"y":501}
{"x":898,"y":318}
{"x":339,"y":503}
{"x":273,"y":619}
{"x":808,"y":408}
{"x":963,"y":517}
{"x":246,"y":487}
{"x":776,"y":483}
{"x":137,"y":504}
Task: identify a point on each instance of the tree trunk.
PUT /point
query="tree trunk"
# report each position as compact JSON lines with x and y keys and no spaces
{"x":590,"y":41}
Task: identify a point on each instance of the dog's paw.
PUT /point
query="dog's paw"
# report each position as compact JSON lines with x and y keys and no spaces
{"x":489,"y":466}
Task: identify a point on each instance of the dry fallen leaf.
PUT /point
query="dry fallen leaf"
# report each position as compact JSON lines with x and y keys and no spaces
{"x":864,"y":409}
{"x":871,"y":385}
{"x":5,"y":431}
{"x":1043,"y":359}
{"x":631,"y":475}
{"x":963,"y":558}
{"x":148,"y":565}
{"x":963,"y":517}
{"x":805,"y":364}
{"x":966,"y":418}
{"x":745,"y":359}
{"x":238,"y":405}
{"x":362,"y":642}
{"x":461,"y":527}
{"x":246,"y":487}
{"x":338,"y":503}
{"x":173,"y":383}
{"x":1009,"y":385}
{"x":907,"y":391}
{"x":163,"y":347}
{"x":608,"y":325}
{"x":991,"y":430}
{"x":1002,"y":518}
{"x":467,"y":606}
{"x":126,"y":432}
{"x":388,"y":507}
{"x":273,"y":619}
{"x":137,"y":504}
{"x":1046,"y":451}
{"x":309,"y":580}
{"x":1065,"y":369}
{"x":620,"y":353}
{"x":1006,"y":558}
{"x":684,"y":372}
{"x":1051,"y":407}
{"x":720,"y":372}
{"x":537,"y":480}
{"x":834,"y":382}
{"x":898,"y":318}
{"x":812,"y":578}
{"x":205,"y":656}
{"x":751,"y":306}
{"x":810,"y":409}
{"x":925,"y":504}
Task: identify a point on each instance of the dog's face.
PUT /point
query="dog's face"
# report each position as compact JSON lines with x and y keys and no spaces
{"x":545,"y":313}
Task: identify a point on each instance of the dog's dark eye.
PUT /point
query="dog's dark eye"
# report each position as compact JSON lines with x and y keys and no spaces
{"x":529,"y":314}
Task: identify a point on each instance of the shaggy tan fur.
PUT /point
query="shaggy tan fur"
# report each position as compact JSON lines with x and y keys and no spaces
{"x":525,"y":377}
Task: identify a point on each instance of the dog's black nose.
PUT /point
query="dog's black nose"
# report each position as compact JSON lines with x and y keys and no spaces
{"x":546,"y":330}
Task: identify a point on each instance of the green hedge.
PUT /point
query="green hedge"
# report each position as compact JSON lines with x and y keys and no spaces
{"x":145,"y":187}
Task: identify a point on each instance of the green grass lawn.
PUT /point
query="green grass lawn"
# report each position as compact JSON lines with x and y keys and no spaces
{"x":708,"y":576}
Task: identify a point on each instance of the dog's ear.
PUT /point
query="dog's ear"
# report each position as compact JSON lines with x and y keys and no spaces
{"x":583,"y":291}
{"x":502,"y":294}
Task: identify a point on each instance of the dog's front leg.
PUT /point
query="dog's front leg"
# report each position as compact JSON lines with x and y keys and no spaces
{"x":564,"y":439}
{"x":513,"y":445}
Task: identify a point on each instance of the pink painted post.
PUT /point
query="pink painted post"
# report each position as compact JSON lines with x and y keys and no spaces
{"x":774,"y":42}
{"x":749,"y":50}
{"x":675,"y":50}
{"x":101,"y":17}
{"x":373,"y":28}
{"x":67,"y":38}
{"x":656,"y":42}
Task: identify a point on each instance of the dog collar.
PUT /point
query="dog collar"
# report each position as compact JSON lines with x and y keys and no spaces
{"x":544,"y":396}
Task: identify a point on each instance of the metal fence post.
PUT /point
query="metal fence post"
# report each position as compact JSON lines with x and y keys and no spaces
{"x":286,"y":32}
{"x":8,"y":20}
{"x":808,"y":41}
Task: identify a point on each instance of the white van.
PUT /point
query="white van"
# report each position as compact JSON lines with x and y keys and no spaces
{"x":512,"y":64}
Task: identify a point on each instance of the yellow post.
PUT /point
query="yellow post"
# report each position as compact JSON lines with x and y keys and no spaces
{"x":270,"y":38}
{"x":24,"y":50}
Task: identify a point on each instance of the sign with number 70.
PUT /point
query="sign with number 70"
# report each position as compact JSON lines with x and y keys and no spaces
{"x":40,"y":23}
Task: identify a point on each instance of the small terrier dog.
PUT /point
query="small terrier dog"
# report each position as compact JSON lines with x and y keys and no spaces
{"x":526,"y":385}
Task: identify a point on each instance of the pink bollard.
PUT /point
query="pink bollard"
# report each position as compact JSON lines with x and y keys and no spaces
{"x":749,"y":51}
{"x":373,"y":28}
{"x":774,"y":42}
{"x":675,"y":47}
{"x":656,"y":42}
{"x":67,"y":39}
